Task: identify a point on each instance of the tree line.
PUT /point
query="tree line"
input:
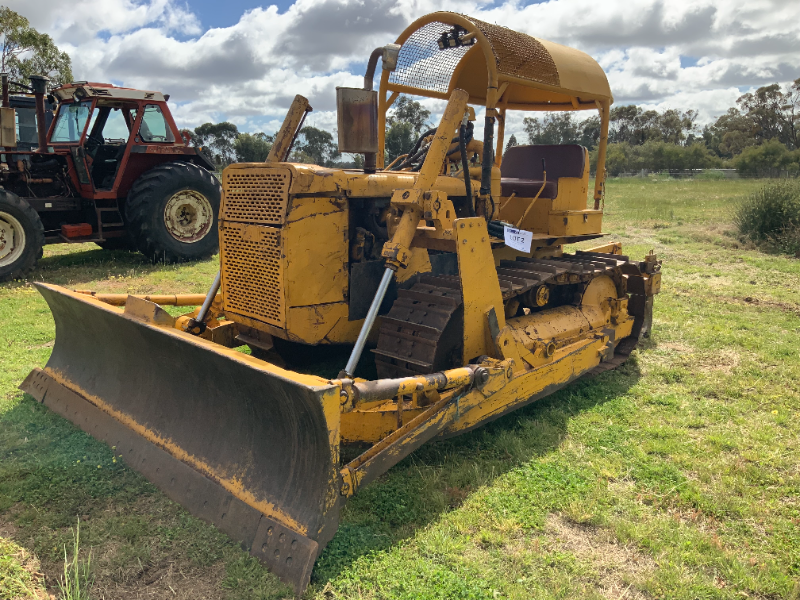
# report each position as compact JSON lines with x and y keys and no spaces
{"x":758,"y":136}
{"x":225,"y":144}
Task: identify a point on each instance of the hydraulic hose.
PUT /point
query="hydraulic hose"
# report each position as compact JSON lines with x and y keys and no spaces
{"x":488,"y":157}
{"x":462,"y":146}
{"x":413,"y":154}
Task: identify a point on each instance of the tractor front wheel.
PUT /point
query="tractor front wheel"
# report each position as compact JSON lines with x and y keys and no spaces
{"x":21,"y":237}
{"x":172,"y":211}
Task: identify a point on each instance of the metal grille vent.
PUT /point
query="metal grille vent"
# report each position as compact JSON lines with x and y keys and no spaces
{"x":255,"y":195}
{"x":252,"y":275}
{"x":421,"y":64}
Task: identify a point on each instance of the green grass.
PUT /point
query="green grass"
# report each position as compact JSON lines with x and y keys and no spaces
{"x":19,"y":573}
{"x":675,"y":476}
{"x":77,"y":581}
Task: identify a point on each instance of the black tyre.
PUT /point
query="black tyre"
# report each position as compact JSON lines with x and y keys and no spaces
{"x":172,"y":213}
{"x":21,"y":237}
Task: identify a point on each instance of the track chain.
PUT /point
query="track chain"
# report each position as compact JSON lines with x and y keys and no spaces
{"x":421,"y":334}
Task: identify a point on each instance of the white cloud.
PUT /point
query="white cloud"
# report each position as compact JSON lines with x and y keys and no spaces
{"x":250,"y":71}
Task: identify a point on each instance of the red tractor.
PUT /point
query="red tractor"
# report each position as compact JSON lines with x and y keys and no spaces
{"x":111,"y":168}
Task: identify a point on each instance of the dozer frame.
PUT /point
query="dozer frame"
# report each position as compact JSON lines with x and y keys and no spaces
{"x":409,"y":260}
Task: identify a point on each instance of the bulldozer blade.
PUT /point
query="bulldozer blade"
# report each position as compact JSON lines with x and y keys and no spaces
{"x":238,"y":442}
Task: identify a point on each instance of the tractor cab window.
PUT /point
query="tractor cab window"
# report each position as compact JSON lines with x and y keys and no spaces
{"x":115,"y":130}
{"x":71,"y":121}
{"x":154,"y":126}
{"x":105,"y":144}
{"x":26,"y":129}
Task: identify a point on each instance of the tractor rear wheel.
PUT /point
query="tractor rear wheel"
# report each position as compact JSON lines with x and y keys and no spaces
{"x":21,"y":237}
{"x":172,"y":211}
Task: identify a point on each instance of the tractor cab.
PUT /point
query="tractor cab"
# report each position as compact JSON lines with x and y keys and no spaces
{"x":101,"y":125}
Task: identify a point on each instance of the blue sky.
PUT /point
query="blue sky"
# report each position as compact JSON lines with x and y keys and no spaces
{"x":220,"y":62}
{"x":213,"y":13}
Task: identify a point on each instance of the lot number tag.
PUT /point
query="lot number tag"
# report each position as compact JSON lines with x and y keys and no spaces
{"x":518,"y":239}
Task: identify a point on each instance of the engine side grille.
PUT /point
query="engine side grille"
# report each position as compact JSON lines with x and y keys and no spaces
{"x":255,"y":195}
{"x":252,"y":272}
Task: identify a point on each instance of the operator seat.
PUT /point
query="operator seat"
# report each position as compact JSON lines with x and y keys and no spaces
{"x":521,"y":169}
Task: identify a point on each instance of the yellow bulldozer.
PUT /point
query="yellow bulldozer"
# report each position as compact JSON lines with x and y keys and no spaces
{"x":448,"y":266}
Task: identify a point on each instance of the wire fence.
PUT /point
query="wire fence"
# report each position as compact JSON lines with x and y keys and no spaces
{"x":710,"y":174}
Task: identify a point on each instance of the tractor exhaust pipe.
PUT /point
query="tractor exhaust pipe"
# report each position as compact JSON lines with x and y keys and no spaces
{"x":4,"y":84}
{"x":39,"y":87}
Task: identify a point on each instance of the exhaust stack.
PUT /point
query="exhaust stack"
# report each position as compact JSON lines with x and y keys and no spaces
{"x":357,"y":110}
{"x":39,"y":87}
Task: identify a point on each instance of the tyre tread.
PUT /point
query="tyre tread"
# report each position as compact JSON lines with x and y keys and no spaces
{"x":26,"y":267}
{"x":143,"y":200}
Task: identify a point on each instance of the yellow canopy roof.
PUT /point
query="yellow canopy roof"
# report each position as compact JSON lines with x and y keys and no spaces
{"x":502,"y":68}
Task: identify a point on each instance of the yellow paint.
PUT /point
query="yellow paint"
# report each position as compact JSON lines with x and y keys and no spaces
{"x":567,"y":364}
{"x":575,"y":222}
{"x":321,"y":323}
{"x":315,"y":249}
{"x":610,"y":248}
{"x":397,"y":250}
{"x":286,"y":134}
{"x":480,"y":287}
{"x":373,"y":425}
{"x":420,"y":263}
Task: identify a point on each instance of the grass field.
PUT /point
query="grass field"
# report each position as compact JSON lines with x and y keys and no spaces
{"x":676,"y":476}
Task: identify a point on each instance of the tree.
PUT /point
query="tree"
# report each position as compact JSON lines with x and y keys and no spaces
{"x":675,"y":126}
{"x":512,"y":141}
{"x":625,"y":126}
{"x":218,"y":138}
{"x":763,"y":108}
{"x":400,"y":138}
{"x":252,"y":147}
{"x":410,"y":111}
{"x":589,"y":132}
{"x":315,"y":146}
{"x":553,"y":128}
{"x":791,"y":111}
{"x":404,"y":126}
{"x":27,"y":52}
{"x":631,"y":125}
{"x":562,"y":128}
{"x":730,"y":134}
{"x":767,"y":159}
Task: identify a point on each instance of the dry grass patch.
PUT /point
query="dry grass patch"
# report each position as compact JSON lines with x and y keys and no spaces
{"x":166,"y":580}
{"x":723,"y":360}
{"x":620,"y":569}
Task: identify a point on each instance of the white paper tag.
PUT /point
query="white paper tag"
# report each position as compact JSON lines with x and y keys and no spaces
{"x":518,"y":239}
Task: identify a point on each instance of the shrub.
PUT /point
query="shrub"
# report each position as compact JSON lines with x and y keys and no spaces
{"x":768,"y":159}
{"x":770,"y":216}
{"x":656,"y":156}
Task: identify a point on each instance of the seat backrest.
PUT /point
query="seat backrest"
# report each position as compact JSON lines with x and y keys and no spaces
{"x":525,"y":162}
